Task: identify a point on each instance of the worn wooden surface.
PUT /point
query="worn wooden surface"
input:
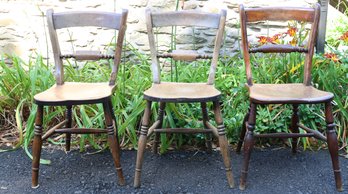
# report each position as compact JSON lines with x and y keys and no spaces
{"x":287,"y":93}
{"x":142,"y":144}
{"x":184,"y":55}
{"x":87,"y":18}
{"x":181,"y":92}
{"x":279,"y":14}
{"x":272,"y":48}
{"x":185,"y":18}
{"x":75,"y":91}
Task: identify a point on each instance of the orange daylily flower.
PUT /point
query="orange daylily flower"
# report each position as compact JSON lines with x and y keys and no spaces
{"x":262,"y":40}
{"x":332,"y":56}
{"x":293,"y":42}
{"x":275,"y":39}
{"x":292,"y":31}
{"x":344,"y":37}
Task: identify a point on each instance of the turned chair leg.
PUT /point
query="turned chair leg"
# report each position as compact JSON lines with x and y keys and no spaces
{"x":223,"y":143}
{"x":113,"y":141}
{"x":248,"y":145}
{"x":37,"y":145}
{"x":242,"y":133}
{"x":294,"y":127}
{"x":142,"y":143}
{"x":162,"y":105}
{"x":206,"y":119}
{"x":333,"y":144}
{"x":115,"y":123}
{"x":68,"y":116}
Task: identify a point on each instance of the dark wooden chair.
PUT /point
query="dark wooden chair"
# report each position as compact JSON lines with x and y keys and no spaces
{"x":174,"y":92}
{"x":72,"y":93}
{"x":293,"y":94}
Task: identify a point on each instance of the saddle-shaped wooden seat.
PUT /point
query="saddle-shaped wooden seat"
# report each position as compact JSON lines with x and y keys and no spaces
{"x":182,"y":92}
{"x":74,"y":93}
{"x":287,"y":93}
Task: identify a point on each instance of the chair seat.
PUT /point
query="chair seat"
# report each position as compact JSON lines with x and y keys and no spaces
{"x":74,"y":92}
{"x":287,"y":93}
{"x":182,"y":92}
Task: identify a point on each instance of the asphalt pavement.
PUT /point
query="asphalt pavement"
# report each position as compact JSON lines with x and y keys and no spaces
{"x":272,"y":170}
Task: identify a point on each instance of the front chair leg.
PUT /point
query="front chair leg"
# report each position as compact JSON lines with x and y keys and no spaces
{"x":115,"y":123}
{"x":333,"y":144}
{"x":160,"y":119}
{"x":37,"y":145}
{"x":248,"y":145}
{"x":294,"y":127}
{"x":242,"y":133}
{"x":206,"y":119}
{"x":113,"y":141}
{"x":223,"y":143}
{"x":142,"y":143}
{"x":68,"y":116}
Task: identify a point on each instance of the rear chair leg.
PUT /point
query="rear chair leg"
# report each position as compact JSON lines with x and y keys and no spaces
{"x":37,"y":145}
{"x":68,"y":125}
{"x":223,"y":143}
{"x":113,"y":141}
{"x":333,"y":144}
{"x":160,"y":118}
{"x":142,"y":144}
{"x":242,"y":133}
{"x":248,"y":145}
{"x":206,"y":119}
{"x":294,"y":127}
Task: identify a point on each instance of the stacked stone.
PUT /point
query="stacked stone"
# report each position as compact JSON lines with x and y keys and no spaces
{"x":23,"y":25}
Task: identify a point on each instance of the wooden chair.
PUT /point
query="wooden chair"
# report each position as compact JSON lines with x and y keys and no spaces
{"x":294,"y":94}
{"x":166,"y":92}
{"x":72,"y":93}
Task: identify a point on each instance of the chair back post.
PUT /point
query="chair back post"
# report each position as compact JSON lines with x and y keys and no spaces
{"x":280,"y":14}
{"x":59,"y":70}
{"x":155,"y":66}
{"x":185,"y":18}
{"x":245,"y":46}
{"x":217,"y":46}
{"x":119,"y":46}
{"x":312,"y":40}
{"x":109,"y":20}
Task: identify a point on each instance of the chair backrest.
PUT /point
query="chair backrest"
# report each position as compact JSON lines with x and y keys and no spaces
{"x":190,"y":19}
{"x":109,"y":20}
{"x":309,"y":15}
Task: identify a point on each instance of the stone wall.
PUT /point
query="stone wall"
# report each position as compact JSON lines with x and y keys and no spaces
{"x":23,"y":25}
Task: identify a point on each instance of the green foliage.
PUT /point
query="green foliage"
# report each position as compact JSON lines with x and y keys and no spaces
{"x":21,"y":81}
{"x":335,"y":31}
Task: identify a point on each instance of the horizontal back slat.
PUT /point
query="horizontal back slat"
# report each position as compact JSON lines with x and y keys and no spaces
{"x":185,"y":18}
{"x":185,"y":55}
{"x":80,"y":19}
{"x":278,"y":49}
{"x":279,"y":14}
{"x":87,"y":55}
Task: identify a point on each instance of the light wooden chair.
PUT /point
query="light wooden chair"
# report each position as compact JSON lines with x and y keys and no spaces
{"x":170,"y":92}
{"x":294,"y":94}
{"x":72,"y":93}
